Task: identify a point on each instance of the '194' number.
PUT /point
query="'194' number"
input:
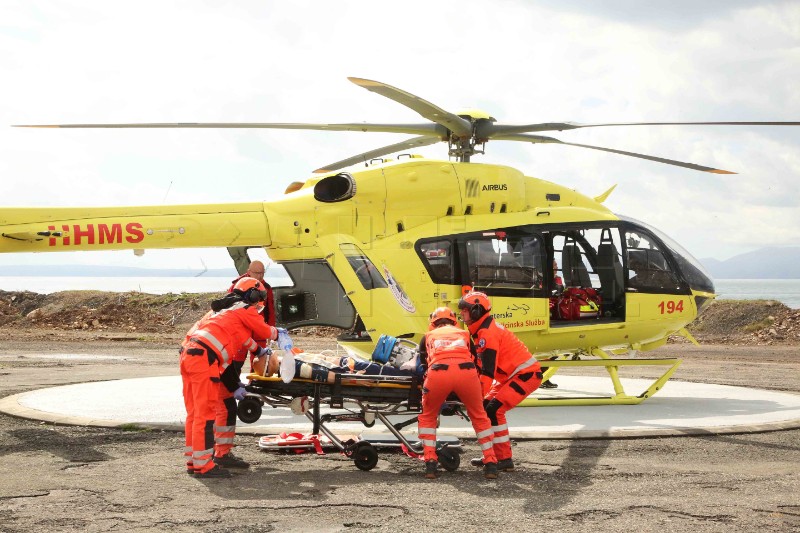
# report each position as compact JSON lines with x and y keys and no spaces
{"x":671,"y":307}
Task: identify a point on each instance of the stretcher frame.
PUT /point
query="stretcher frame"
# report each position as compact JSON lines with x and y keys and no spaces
{"x":377,"y":398}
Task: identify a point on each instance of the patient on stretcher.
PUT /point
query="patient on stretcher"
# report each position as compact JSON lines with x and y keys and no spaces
{"x":324,"y":366}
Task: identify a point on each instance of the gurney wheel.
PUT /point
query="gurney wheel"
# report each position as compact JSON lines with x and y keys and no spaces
{"x":249,"y":410}
{"x":449,"y":458}
{"x":365,"y":456}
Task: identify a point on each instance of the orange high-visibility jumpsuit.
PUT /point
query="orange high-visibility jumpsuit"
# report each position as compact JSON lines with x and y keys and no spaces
{"x":206,"y":366}
{"x":450,"y":365}
{"x":200,"y":370}
{"x":225,"y":423}
{"x":509,"y":373}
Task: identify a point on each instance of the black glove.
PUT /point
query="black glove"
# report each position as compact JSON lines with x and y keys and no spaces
{"x":491,"y":407}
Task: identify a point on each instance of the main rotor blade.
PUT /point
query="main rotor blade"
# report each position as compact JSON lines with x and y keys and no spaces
{"x":415,"y":142}
{"x":411,"y":129}
{"x":491,"y":131}
{"x":459,"y":126}
{"x":541,"y":139}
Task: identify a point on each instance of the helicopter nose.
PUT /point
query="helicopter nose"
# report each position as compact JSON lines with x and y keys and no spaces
{"x":702,"y":288}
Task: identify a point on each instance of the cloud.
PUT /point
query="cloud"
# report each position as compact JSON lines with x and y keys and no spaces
{"x":250,"y":61}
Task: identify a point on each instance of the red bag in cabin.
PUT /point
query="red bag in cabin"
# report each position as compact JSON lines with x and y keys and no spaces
{"x":576,"y":303}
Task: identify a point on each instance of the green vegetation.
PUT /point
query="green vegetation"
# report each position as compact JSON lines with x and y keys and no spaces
{"x":134,"y":427}
{"x":759,"y":325}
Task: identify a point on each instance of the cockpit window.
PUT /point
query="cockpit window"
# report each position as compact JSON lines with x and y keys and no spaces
{"x":367,"y":272}
{"x":647,"y":268}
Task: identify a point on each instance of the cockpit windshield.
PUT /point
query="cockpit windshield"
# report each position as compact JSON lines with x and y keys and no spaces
{"x":695,"y":273}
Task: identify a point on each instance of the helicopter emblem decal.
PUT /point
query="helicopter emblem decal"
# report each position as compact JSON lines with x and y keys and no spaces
{"x":472,"y":188}
{"x":398,"y":292}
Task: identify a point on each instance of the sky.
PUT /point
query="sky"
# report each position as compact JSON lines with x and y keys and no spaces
{"x":523,"y":61}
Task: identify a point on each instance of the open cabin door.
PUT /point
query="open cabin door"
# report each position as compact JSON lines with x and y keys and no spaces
{"x":588,"y":263}
{"x":381,"y":303}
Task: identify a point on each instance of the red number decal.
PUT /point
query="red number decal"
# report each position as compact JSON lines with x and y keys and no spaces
{"x":671,"y":306}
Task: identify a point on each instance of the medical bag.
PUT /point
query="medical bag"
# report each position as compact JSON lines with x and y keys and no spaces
{"x":576,"y":303}
{"x":392,"y":351}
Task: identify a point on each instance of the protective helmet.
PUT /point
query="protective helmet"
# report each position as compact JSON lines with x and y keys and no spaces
{"x":442,"y":313}
{"x":250,"y":289}
{"x":477,"y":303}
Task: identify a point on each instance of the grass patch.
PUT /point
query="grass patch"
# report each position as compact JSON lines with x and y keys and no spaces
{"x":134,"y":427}
{"x":761,"y":324}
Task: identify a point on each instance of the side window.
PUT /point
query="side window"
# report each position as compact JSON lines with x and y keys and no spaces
{"x":648,"y":270}
{"x":439,"y":259}
{"x":367,"y":272}
{"x":499,"y":262}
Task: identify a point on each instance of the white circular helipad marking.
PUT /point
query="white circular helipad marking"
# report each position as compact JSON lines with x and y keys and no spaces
{"x":77,"y":357}
{"x":680,"y":408}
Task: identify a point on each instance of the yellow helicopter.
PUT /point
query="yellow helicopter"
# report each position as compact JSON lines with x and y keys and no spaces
{"x":373,"y":250}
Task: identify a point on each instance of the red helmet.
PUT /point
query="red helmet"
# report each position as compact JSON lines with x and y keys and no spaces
{"x":250,"y":289}
{"x":442,"y":313}
{"x":477,"y":303}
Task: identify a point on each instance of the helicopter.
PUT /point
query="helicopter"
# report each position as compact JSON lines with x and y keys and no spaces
{"x":372,"y":250}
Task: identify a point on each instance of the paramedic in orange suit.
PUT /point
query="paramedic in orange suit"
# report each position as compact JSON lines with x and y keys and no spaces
{"x":205,"y":363}
{"x":225,"y":426}
{"x":450,"y":367}
{"x":509,"y":373}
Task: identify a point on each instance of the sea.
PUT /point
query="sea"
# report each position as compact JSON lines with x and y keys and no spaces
{"x":786,"y":291}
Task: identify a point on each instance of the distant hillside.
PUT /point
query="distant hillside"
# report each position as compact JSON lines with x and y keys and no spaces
{"x":766,"y":263}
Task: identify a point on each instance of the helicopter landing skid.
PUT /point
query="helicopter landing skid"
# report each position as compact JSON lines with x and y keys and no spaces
{"x":619,"y":397}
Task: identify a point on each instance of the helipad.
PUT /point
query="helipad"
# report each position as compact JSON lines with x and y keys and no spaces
{"x":680,"y":408}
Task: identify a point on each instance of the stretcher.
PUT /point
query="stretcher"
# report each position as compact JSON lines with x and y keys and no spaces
{"x":356,"y":398}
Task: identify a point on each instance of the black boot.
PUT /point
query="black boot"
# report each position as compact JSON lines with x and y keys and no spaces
{"x":430,"y":469}
{"x":490,"y":470}
{"x":504,"y":465}
{"x":216,"y":472}
{"x":231,"y":461}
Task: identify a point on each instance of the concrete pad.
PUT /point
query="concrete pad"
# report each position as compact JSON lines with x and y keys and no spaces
{"x":680,"y":408}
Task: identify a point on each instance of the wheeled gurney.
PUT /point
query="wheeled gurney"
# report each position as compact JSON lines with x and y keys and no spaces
{"x":359,"y":398}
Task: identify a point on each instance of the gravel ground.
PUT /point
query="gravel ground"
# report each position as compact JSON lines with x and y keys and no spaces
{"x":61,"y":478}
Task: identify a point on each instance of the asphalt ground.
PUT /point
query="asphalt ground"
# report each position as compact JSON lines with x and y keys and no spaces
{"x":68,"y":478}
